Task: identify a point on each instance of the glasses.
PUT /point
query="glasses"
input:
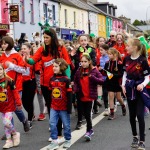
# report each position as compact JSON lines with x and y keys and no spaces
{"x":112,"y":35}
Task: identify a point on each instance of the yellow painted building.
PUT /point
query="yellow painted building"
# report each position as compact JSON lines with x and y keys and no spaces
{"x":73,"y":18}
{"x":101,"y":25}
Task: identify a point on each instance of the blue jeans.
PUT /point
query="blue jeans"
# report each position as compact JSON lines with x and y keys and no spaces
{"x":65,"y":117}
{"x":20,"y":113}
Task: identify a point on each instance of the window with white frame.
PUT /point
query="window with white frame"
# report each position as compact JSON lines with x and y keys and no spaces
{"x":65,"y":12}
{"x":22,"y":11}
{"x":32,"y":11}
{"x":74,"y":22}
{"x":45,"y":12}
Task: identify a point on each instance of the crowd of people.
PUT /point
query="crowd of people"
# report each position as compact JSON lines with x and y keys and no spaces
{"x":80,"y":73}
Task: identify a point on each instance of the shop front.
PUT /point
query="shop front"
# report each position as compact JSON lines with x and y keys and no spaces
{"x":4,"y":28}
{"x":67,"y":34}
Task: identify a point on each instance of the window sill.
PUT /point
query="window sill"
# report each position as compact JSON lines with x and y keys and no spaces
{"x":32,"y":23}
{"x":23,"y":22}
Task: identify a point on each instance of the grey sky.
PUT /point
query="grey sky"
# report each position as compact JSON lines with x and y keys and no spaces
{"x":134,"y":9}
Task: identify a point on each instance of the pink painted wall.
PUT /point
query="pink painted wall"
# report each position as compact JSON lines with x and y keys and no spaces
{"x":117,"y":25}
{"x":4,"y":15}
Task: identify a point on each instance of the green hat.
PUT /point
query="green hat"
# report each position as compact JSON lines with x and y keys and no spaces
{"x":92,"y":35}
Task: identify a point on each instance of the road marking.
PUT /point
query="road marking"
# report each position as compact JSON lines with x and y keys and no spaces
{"x":77,"y":134}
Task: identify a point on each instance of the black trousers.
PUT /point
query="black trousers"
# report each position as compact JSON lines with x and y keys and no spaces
{"x":28,"y":94}
{"x":46,"y":95}
{"x":87,"y":110}
{"x":79,"y":108}
{"x":136,"y":109}
{"x":105,"y":96}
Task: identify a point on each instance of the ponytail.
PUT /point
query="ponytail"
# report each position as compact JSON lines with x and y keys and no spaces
{"x":140,"y":46}
{"x":143,"y":50}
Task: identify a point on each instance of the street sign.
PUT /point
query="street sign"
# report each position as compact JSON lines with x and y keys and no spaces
{"x":4,"y":26}
{"x":14,"y":13}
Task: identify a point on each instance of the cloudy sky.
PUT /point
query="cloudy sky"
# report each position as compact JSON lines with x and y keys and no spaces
{"x":134,"y":9}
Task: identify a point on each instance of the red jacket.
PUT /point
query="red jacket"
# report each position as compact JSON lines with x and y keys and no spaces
{"x":9,"y":96}
{"x":29,"y":75}
{"x":98,"y":55}
{"x":15,"y":58}
{"x":47,"y":63}
{"x":122,"y":50}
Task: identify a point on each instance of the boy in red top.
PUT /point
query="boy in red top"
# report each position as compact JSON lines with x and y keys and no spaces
{"x":61,"y":93}
{"x":14,"y":67}
{"x":8,"y":104}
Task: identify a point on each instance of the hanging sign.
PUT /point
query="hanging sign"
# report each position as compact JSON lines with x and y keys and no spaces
{"x":14,"y":13}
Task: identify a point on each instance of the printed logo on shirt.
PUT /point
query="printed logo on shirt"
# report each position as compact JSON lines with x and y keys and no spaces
{"x":138,"y":66}
{"x":3,"y":97}
{"x":49,"y":63}
{"x":56,"y":93}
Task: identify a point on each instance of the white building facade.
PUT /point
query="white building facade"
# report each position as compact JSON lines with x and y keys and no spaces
{"x":93,"y":22}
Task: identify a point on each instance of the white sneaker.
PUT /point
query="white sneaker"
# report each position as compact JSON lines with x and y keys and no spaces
{"x":8,"y":144}
{"x":16,"y":139}
{"x":50,"y":139}
{"x":106,"y":112}
{"x":117,"y":103}
{"x":59,"y":140}
{"x":115,"y":108}
{"x":45,"y":110}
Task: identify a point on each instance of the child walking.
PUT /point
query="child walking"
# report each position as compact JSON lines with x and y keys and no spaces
{"x":89,"y":76}
{"x":83,"y":48}
{"x":29,"y":84}
{"x":114,"y":67}
{"x":103,"y":59}
{"x":8,"y":104}
{"x":61,"y":93}
{"x":136,"y":72}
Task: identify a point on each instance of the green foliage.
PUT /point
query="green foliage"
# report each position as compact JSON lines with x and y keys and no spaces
{"x":137,"y":23}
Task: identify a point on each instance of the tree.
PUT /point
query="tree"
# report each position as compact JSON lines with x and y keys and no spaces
{"x":137,"y":23}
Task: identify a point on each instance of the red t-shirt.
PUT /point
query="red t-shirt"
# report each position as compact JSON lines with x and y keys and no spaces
{"x":84,"y":81}
{"x":9,"y":97}
{"x":59,"y":85}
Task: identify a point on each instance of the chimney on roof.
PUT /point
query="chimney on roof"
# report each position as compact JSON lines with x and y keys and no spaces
{"x":110,"y":10}
{"x":114,"y":10}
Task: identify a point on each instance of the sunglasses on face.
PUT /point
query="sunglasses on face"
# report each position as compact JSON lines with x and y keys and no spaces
{"x":112,"y":36}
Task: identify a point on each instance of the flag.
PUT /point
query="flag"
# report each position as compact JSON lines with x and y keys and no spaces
{"x":110,"y":75}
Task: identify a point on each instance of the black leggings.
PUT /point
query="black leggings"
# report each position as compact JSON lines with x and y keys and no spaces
{"x":79,"y":108}
{"x":105,"y":96}
{"x":28,"y":94}
{"x":87,"y":110}
{"x":136,"y":109}
{"x":46,"y":95}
